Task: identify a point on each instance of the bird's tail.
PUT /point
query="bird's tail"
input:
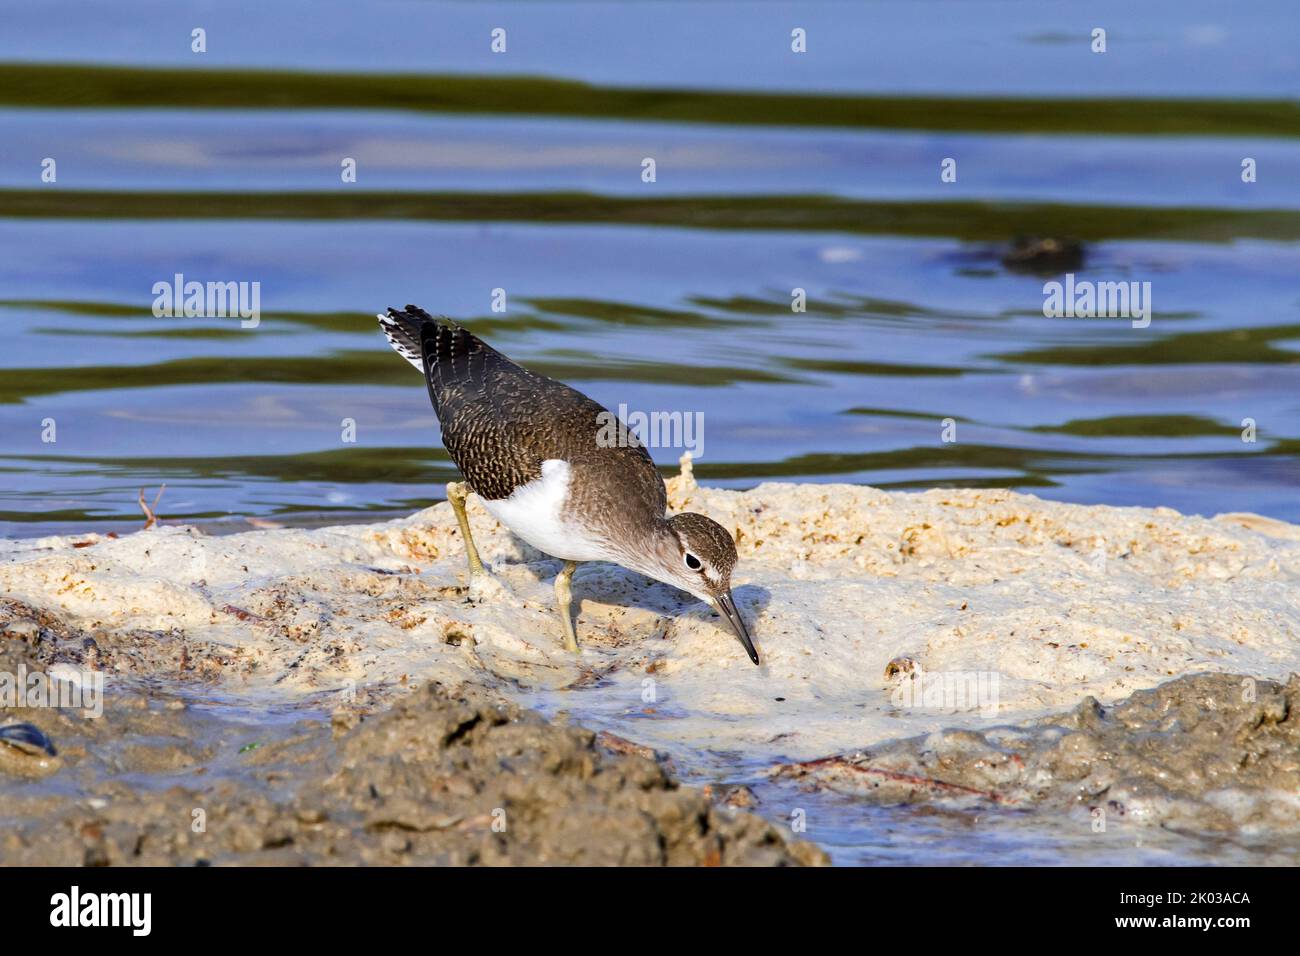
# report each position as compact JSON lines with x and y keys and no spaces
{"x":406,"y":331}
{"x":455,"y":356}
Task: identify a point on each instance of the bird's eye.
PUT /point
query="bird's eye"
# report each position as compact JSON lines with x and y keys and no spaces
{"x":693,"y":562}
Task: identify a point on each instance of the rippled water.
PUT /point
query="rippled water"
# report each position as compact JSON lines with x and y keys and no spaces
{"x":522,"y":171}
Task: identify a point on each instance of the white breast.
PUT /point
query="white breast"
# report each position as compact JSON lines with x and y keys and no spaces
{"x":536,"y":513}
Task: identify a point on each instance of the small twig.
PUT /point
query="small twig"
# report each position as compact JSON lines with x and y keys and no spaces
{"x":621,"y":745}
{"x":151,"y":518}
{"x":243,"y":615}
{"x":910,"y":779}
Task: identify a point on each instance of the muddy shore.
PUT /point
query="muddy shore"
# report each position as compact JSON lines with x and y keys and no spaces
{"x":1207,"y":754}
{"x":340,"y":694}
{"x":441,"y":777}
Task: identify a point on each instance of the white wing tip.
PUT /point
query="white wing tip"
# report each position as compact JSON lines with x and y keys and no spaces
{"x":389,"y":325}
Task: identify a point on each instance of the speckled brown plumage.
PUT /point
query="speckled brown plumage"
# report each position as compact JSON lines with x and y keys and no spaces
{"x":500,"y":421}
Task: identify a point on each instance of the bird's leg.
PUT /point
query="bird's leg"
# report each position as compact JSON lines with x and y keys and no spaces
{"x":563,"y":596}
{"x":456,"y":494}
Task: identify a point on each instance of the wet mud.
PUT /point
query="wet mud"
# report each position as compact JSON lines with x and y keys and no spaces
{"x":1205,"y":753}
{"x":442,"y":776}
{"x":341,"y":695}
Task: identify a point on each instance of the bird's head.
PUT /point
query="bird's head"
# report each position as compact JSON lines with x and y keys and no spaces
{"x":697,"y":555}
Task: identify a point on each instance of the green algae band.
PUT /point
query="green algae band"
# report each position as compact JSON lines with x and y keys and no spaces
{"x":81,"y":87}
{"x":971,"y":220}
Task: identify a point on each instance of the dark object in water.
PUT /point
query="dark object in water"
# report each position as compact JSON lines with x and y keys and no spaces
{"x":28,"y":738}
{"x":1043,"y":256}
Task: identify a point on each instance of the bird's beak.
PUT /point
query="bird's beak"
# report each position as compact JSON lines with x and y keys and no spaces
{"x":727,"y":608}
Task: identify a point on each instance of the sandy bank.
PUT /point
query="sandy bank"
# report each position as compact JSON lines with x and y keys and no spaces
{"x":1058,"y":601}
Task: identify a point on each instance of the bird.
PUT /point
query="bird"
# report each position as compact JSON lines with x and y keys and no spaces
{"x":559,"y":470}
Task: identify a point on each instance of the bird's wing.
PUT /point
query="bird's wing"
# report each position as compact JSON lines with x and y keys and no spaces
{"x":500,"y":421}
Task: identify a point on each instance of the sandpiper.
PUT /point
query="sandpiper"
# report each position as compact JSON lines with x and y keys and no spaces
{"x":532,"y":449}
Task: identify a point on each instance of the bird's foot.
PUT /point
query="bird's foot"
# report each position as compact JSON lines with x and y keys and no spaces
{"x":484,"y":586}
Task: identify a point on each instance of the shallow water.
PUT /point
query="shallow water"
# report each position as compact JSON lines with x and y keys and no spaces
{"x":522,"y":172}
{"x":855,"y":833}
{"x":776,"y":171}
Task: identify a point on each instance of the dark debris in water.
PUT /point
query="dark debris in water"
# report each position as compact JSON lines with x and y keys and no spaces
{"x":28,"y":738}
{"x":1044,"y":256}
